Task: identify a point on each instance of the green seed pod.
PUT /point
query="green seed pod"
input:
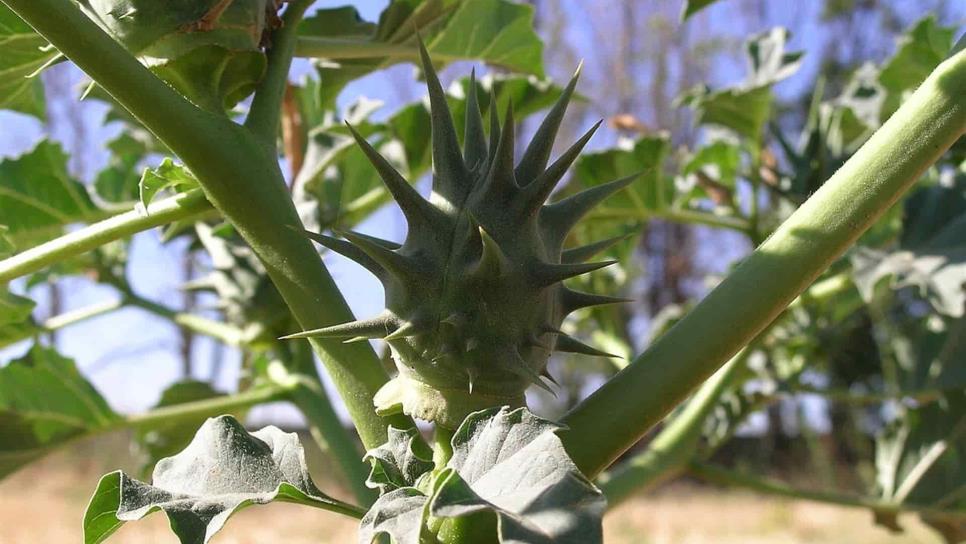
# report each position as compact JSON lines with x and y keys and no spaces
{"x":210,"y":50}
{"x":474,"y":297}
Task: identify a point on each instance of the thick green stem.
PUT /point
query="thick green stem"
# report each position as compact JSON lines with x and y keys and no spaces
{"x":240,"y":175}
{"x":205,"y":408}
{"x":668,"y":454}
{"x":758,"y":484}
{"x":176,"y":208}
{"x":265,"y":113}
{"x":929,"y":122}
{"x":327,"y":430}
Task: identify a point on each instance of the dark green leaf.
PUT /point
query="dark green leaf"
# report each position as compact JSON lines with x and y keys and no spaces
{"x":44,"y":401}
{"x":38,"y":197}
{"x":119,"y":181}
{"x":15,"y":321}
{"x":223,"y":470}
{"x":693,"y":6}
{"x":933,"y":256}
{"x":769,"y":62}
{"x":745,"y":108}
{"x":741,"y":110}
{"x":650,"y":193}
{"x":6,"y":245}
{"x":24,"y":53}
{"x":494,"y":31}
{"x":213,"y":61}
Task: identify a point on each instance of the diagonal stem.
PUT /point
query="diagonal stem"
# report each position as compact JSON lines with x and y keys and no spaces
{"x":820,"y":231}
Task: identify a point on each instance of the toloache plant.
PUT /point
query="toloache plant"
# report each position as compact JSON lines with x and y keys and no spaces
{"x":475,"y":295}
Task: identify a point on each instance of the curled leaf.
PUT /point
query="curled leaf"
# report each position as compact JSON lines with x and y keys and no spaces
{"x":224,"y":469}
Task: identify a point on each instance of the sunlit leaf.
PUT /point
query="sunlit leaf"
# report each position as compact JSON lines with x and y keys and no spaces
{"x":119,"y":181}
{"x":38,"y":197}
{"x":24,"y":52}
{"x":494,"y":31}
{"x":166,"y":439}
{"x":508,"y":463}
{"x":223,"y":470}
{"x":167,"y":176}
{"x":918,"y":52}
{"x":44,"y":402}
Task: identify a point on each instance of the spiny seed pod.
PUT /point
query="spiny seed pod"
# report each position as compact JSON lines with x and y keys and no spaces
{"x":210,"y":50}
{"x":474,"y":297}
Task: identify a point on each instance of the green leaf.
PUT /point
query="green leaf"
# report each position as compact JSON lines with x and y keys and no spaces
{"x":15,"y":321}
{"x":399,"y":462}
{"x":933,"y":256}
{"x":223,"y":470}
{"x":400,"y":514}
{"x":215,"y":61}
{"x":38,"y":197}
{"x":693,"y":6}
{"x":166,"y":439}
{"x":506,"y":462}
{"x":245,"y":293}
{"x":44,"y":401}
{"x":741,"y":110}
{"x":745,"y":108}
{"x":119,"y":181}
{"x":6,"y":245}
{"x":651,"y":192}
{"x":24,"y":53}
{"x":712,"y":171}
{"x":513,"y":464}
{"x":768,"y":60}
{"x":921,"y":456}
{"x":494,"y":31}
{"x":168,"y":175}
{"x":918,"y":52}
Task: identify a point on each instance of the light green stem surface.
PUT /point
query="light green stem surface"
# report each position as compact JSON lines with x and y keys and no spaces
{"x":326,"y":427}
{"x":668,"y":454}
{"x":205,"y":408}
{"x":926,"y":125}
{"x":176,"y":208}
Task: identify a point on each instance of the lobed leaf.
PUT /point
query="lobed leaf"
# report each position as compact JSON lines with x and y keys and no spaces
{"x":44,"y":402}
{"x":38,"y":197}
{"x":508,"y":463}
{"x":494,"y":31}
{"x":168,"y":175}
{"x":399,"y":462}
{"x":223,"y":470}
